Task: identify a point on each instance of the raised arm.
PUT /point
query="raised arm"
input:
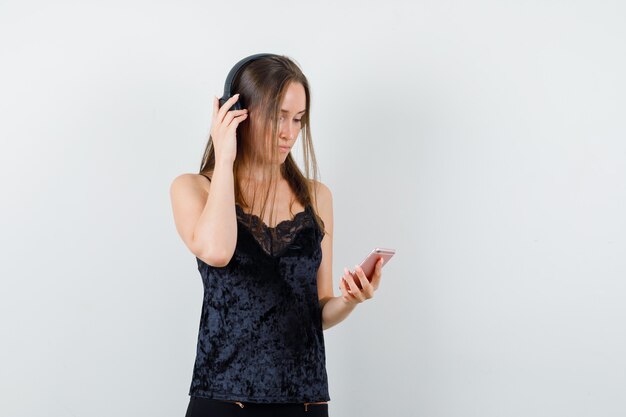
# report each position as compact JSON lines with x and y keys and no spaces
{"x":204,"y":213}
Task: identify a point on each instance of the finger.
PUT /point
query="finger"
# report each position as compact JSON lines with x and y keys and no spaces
{"x":227,"y":105}
{"x":346,"y":274}
{"x":216,"y":107}
{"x":345,"y":295}
{"x":343,"y":288}
{"x":366,"y":287}
{"x":354,"y":289}
{"x":350,"y":284}
{"x":241,"y":117}
{"x":231,"y":121}
{"x":238,"y":119}
{"x":351,"y":297}
{"x":361,"y":276}
{"x":232,"y":115}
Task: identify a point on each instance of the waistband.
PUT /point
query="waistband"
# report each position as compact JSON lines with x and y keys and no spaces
{"x":248,"y":404}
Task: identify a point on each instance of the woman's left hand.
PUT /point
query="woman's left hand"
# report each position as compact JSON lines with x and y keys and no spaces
{"x":354,"y":294}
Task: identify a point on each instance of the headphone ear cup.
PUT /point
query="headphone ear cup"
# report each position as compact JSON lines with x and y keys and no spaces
{"x":239,"y":104}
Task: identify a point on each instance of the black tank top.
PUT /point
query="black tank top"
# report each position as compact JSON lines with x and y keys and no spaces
{"x":260,"y":337}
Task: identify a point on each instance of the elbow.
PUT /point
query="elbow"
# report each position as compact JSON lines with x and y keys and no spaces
{"x":217,"y":260}
{"x":213,"y":255}
{"x":219,"y":257}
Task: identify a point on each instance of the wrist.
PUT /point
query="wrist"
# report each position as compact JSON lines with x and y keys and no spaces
{"x":350,"y":304}
{"x":224,"y":162}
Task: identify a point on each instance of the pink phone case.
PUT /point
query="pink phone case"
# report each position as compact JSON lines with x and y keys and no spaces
{"x":368,"y":264}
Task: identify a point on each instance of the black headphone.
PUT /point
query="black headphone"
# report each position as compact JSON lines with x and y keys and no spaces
{"x":228,"y":86}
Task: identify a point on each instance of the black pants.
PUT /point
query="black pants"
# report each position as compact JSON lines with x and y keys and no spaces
{"x":207,"y":407}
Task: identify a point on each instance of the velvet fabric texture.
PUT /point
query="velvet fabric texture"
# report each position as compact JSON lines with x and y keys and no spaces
{"x":260,"y":337}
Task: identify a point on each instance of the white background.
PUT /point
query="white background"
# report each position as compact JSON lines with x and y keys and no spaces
{"x":484,"y":140}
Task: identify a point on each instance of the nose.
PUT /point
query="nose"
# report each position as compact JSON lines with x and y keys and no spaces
{"x":287,"y":131}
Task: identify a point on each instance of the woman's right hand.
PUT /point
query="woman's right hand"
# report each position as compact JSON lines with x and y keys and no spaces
{"x":223,"y":128}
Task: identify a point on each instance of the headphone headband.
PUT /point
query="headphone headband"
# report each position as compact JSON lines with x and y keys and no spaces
{"x":228,"y":85}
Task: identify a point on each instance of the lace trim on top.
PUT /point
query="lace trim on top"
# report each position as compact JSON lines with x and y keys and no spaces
{"x":274,"y":240}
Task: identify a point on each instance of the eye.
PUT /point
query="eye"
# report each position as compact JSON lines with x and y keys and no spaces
{"x":281,"y":118}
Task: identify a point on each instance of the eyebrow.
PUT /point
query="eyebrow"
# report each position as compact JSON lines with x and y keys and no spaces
{"x":287,"y":111}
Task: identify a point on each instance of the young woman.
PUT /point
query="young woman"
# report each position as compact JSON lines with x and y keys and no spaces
{"x":268,"y":291}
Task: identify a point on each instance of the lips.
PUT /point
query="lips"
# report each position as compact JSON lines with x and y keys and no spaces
{"x":284,"y":149}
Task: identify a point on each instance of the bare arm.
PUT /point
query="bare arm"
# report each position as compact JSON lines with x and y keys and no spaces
{"x":334,"y":309}
{"x":205,"y":214}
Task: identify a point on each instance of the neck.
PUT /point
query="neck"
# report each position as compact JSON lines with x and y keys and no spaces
{"x":254,"y":173}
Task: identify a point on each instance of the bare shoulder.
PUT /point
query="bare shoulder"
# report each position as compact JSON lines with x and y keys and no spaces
{"x":321,"y":193}
{"x":189,"y":183}
{"x":323,"y":201}
{"x":188,"y":194}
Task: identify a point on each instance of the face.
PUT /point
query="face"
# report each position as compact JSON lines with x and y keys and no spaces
{"x":293,"y":108}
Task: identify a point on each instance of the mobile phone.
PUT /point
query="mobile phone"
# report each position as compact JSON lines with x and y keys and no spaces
{"x":369,"y":263}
